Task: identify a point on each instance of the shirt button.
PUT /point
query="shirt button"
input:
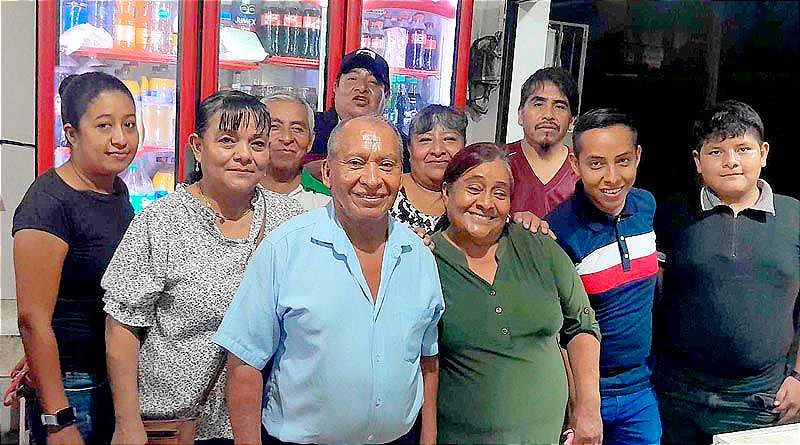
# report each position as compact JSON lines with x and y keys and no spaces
{"x":378,"y":402}
{"x":378,"y":358}
{"x":492,"y":293}
{"x":504,"y":331}
{"x":626,"y":255}
{"x":498,"y":310}
{"x":622,"y":238}
{"x":586,"y":310}
{"x":370,"y":437}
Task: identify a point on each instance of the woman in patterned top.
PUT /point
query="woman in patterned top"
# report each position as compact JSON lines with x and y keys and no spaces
{"x":437,"y":133}
{"x":177,"y":268}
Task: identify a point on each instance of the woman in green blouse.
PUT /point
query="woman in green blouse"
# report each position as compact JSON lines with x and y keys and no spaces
{"x":511,"y":296}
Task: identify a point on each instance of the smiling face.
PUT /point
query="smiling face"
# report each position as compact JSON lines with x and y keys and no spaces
{"x":106,"y":139}
{"x":289,"y":137}
{"x":235,"y":160}
{"x":364,"y":171}
{"x":430,"y":154}
{"x":358,"y":93}
{"x":731,"y":167}
{"x":545,"y":117}
{"x":478,"y":203}
{"x":606,"y":162}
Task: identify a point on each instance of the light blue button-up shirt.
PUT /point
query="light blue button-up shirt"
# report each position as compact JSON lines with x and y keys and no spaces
{"x":346,"y":370}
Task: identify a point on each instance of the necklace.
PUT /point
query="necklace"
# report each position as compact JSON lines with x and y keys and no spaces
{"x":220,"y":217}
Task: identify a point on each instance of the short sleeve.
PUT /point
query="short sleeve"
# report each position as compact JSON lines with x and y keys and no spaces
{"x":578,"y":313}
{"x":41,"y":211}
{"x":430,"y":339}
{"x":251,"y":329}
{"x":134,"y":279}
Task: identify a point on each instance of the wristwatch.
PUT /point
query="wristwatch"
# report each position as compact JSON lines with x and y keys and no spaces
{"x":61,"y":418}
{"x":795,"y":374}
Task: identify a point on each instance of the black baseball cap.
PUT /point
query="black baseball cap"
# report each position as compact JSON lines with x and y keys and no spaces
{"x":368,"y":60}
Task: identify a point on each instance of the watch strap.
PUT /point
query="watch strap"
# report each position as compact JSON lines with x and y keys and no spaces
{"x":60,"y":418}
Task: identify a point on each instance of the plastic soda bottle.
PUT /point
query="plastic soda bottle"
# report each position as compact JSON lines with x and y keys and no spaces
{"x":142,"y":24}
{"x":416,"y":43}
{"x":124,"y":32}
{"x":164,"y":178}
{"x":140,"y":189}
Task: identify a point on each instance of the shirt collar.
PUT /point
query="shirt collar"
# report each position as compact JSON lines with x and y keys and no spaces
{"x":300,"y":189}
{"x":593,"y":217}
{"x":330,"y":231}
{"x":765,"y":202}
{"x":446,"y":250}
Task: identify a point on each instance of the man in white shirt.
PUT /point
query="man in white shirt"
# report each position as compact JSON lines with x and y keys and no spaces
{"x":291,"y":135}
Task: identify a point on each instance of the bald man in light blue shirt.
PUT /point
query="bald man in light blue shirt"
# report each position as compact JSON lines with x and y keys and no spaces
{"x":347,"y":326}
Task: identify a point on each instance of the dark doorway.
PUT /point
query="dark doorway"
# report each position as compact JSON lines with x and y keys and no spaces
{"x":664,"y":60}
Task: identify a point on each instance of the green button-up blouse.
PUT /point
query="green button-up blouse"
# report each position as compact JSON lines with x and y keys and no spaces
{"x":502,"y":377}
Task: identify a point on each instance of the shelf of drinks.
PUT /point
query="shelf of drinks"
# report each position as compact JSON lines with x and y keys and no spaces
{"x":445,"y":9}
{"x":156,"y":58}
{"x":413,"y":73}
{"x":294,"y":62}
{"x":126,"y":55}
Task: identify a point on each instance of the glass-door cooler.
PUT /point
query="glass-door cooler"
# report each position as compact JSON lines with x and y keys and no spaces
{"x":421,"y":40}
{"x":272,"y":46}
{"x":150,"y":47}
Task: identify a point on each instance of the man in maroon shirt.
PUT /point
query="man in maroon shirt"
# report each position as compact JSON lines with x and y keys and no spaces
{"x":543,"y":177}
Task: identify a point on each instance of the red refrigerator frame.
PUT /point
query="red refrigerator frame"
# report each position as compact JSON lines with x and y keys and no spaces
{"x":47,"y":54}
{"x":464,"y":12}
{"x":209,"y":49}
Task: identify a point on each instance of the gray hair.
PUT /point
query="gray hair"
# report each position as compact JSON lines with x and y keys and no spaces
{"x":283,"y":97}
{"x":333,"y":140}
{"x":448,"y":117}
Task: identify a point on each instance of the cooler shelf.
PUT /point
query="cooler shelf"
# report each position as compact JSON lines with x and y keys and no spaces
{"x":155,"y":149}
{"x":294,"y":62}
{"x":297,"y":62}
{"x":237,"y":65}
{"x":413,"y":73}
{"x":125,"y":55}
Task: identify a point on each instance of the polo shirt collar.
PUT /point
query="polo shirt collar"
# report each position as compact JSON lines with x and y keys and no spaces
{"x":330,"y":231}
{"x":765,"y":202}
{"x":594,"y":218}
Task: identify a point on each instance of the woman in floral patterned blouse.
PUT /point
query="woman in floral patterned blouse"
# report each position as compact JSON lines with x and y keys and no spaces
{"x":176,"y":270}
{"x":437,"y":133}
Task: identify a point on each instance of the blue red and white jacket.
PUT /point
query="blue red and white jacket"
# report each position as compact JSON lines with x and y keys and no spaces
{"x":616,"y":260}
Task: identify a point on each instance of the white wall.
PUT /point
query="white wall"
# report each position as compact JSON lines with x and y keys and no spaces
{"x":529,"y":56}
{"x":17,"y":122}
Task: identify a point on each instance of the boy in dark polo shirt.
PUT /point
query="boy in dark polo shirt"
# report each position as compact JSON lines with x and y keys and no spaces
{"x":607,"y":230}
{"x":724,"y":320}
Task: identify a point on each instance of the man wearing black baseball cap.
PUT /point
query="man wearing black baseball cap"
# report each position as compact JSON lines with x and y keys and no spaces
{"x":362,"y":88}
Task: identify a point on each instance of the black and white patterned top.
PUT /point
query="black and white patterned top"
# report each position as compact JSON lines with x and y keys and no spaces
{"x":174,"y":274}
{"x":405,"y":212}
